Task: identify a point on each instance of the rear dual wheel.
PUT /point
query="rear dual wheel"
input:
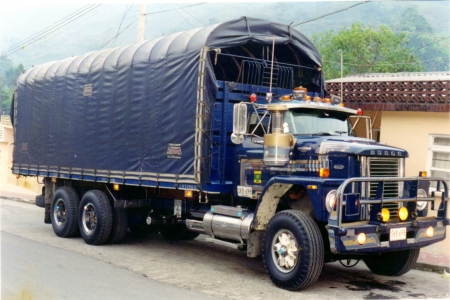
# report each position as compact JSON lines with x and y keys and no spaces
{"x":392,"y":263}
{"x":63,"y":212}
{"x":93,"y":217}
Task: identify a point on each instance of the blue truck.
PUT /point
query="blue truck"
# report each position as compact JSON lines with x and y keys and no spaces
{"x":225,"y":131}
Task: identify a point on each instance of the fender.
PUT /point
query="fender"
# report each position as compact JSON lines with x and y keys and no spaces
{"x":278,"y":186}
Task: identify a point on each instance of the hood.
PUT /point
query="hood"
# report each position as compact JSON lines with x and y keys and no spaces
{"x":333,"y":145}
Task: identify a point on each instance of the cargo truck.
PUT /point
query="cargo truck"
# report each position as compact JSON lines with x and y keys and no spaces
{"x":225,"y":131}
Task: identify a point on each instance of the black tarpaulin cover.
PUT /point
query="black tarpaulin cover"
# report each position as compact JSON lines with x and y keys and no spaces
{"x":132,"y":108}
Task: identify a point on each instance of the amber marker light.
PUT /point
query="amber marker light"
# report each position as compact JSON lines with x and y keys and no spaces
{"x":188,"y":193}
{"x":362,"y":238}
{"x":430,"y":232}
{"x":115,"y":187}
{"x":423,"y":174}
{"x":53,"y":180}
{"x":403,"y":213}
{"x":324,"y":172}
{"x":307,"y":98}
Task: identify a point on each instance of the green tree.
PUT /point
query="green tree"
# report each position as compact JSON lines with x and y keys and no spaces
{"x":8,"y":76}
{"x":365,"y":50}
{"x":422,"y":42}
{"x":11,"y":75}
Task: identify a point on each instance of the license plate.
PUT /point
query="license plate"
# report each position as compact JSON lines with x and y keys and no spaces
{"x":244,"y":191}
{"x":398,"y":234}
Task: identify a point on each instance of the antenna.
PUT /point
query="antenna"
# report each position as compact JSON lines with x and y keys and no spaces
{"x":269,"y":94}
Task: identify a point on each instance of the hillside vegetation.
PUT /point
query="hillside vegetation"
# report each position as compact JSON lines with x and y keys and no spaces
{"x":423,"y":26}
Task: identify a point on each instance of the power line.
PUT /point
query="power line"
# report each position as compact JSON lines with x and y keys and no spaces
{"x":431,"y":43}
{"x":47,"y":32}
{"x":146,"y":14}
{"x":127,"y":9}
{"x":335,"y":12}
{"x":176,"y":10}
{"x":382,"y":64}
{"x":161,"y":11}
{"x":119,"y":33}
{"x":191,"y":15}
{"x":47,"y":28}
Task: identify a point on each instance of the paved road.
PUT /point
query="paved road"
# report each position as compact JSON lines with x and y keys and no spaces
{"x":34,"y":270}
{"x":204,"y":269}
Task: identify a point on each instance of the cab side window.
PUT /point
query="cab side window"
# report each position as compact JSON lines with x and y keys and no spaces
{"x":254,"y":125}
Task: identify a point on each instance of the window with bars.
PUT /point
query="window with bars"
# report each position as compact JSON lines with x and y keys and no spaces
{"x":438,"y":161}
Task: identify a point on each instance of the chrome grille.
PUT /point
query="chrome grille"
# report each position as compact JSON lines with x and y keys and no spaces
{"x":385,"y":167}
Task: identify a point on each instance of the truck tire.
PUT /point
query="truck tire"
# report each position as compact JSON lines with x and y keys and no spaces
{"x":177,"y":232}
{"x":392,"y":263}
{"x":95,"y":217}
{"x":63,"y":212}
{"x":119,"y":225}
{"x":293,"y":251}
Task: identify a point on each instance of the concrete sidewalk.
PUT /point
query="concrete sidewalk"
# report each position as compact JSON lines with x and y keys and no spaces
{"x":428,"y":260}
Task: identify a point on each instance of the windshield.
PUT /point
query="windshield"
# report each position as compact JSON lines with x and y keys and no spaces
{"x":318,"y":122}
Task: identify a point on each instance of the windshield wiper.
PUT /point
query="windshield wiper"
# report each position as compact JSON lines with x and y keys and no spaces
{"x":341,"y":132}
{"x":320,"y":134}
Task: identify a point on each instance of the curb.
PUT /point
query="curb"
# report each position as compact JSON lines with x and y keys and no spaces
{"x":430,"y":268}
{"x":17,"y":199}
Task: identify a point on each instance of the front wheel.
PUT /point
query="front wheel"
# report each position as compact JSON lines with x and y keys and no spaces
{"x":392,"y":263}
{"x":95,"y":217}
{"x":293,"y":251}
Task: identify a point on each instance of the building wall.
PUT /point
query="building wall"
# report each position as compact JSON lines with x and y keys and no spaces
{"x":8,"y":181}
{"x":411,"y":131}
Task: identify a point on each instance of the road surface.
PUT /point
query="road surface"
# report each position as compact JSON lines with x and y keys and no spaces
{"x":194,"y":268}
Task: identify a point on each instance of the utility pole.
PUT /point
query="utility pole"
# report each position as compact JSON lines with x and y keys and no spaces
{"x":141,"y":23}
{"x":342,"y":75}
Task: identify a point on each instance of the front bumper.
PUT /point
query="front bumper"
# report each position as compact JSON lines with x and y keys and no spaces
{"x":378,"y":237}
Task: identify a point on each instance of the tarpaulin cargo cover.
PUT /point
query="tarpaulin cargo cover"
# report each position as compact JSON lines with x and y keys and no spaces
{"x":136,"y":111}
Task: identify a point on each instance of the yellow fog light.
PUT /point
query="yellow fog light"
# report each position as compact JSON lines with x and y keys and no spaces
{"x":385,"y":215}
{"x":403,"y":213}
{"x":362,"y":238}
{"x":430,"y":231}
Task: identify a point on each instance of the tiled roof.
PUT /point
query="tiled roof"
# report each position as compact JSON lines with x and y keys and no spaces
{"x":404,"y":76}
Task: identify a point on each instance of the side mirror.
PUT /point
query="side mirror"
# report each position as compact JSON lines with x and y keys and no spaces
{"x":239,"y":123}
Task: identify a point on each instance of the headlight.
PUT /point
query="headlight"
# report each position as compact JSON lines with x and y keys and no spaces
{"x":330,"y":201}
{"x":421,"y":204}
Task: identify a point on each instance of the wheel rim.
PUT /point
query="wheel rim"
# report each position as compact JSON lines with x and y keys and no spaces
{"x":284,"y":251}
{"x":59,"y":213}
{"x":89,"y":218}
